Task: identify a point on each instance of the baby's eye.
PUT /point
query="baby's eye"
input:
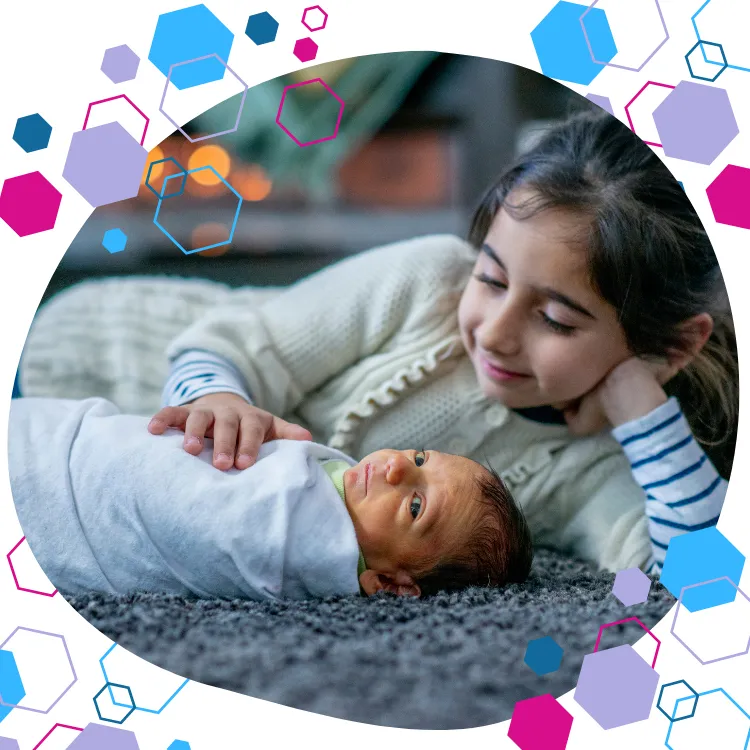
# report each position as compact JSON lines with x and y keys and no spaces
{"x":419,"y":458}
{"x":416,"y":506}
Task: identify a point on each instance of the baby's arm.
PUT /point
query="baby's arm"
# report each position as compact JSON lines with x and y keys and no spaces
{"x":684,"y":492}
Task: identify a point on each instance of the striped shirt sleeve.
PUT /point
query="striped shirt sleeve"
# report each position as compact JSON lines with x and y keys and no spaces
{"x":196,"y":373}
{"x":684,"y":492}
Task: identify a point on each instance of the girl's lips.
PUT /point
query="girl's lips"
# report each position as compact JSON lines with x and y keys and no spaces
{"x":499,"y":373}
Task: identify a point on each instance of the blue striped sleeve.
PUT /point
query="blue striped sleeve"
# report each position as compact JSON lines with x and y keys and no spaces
{"x":684,"y":492}
{"x":196,"y":373}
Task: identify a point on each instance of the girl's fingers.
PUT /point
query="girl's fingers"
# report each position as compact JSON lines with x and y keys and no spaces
{"x":170,"y":416}
{"x":198,"y":422}
{"x":252,"y":432}
{"x":226,"y":427}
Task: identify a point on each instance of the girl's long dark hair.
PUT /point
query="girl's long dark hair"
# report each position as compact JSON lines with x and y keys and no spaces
{"x":648,"y":256}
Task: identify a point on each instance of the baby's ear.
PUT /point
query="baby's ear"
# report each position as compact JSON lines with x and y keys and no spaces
{"x":401,"y":584}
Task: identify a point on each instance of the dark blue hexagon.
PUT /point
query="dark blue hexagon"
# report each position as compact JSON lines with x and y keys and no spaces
{"x":32,"y":133}
{"x":262,"y":27}
{"x":543,"y":655}
{"x":698,"y":557}
{"x":11,"y":686}
{"x":187,"y":34}
{"x":561,"y":44}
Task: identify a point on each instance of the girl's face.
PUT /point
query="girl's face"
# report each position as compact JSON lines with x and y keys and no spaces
{"x":536,"y":331}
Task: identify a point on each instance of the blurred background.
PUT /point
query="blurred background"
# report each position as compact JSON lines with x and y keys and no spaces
{"x":421,"y":137}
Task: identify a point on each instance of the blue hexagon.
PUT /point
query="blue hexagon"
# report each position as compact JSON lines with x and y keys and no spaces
{"x":187,"y":34}
{"x":114,"y":240}
{"x":543,"y":655}
{"x":32,"y":133}
{"x":698,"y":557}
{"x":561,"y":44}
{"x":11,"y":687}
{"x":112,"y":719}
{"x":179,"y":745}
{"x":262,"y":27}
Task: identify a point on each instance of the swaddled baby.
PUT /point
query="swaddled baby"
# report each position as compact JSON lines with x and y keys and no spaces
{"x":107,"y":506}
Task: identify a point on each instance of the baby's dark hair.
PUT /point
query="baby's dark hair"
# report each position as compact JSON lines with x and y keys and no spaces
{"x":648,"y":255}
{"x":499,"y":550}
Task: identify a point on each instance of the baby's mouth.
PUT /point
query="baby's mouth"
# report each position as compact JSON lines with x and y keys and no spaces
{"x":368,"y":469}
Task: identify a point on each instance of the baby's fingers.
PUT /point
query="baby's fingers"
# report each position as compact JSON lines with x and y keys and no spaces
{"x":170,"y":416}
{"x":198,"y":422}
{"x":252,"y":433}
{"x":226,"y":426}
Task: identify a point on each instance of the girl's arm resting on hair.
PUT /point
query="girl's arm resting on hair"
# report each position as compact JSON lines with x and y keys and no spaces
{"x":684,"y":492}
{"x":196,"y":373}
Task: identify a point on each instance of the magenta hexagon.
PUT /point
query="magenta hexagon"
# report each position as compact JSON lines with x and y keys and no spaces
{"x":328,"y":89}
{"x":540,"y":723}
{"x":729,"y":196}
{"x":305,"y":49}
{"x":29,"y":204}
{"x":99,"y":736}
{"x":695,"y":122}
{"x":631,"y":586}
{"x":616,"y":687}
{"x":322,"y":16}
{"x":105,"y":164}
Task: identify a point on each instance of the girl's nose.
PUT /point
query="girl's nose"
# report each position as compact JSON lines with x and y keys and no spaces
{"x":502,"y":329}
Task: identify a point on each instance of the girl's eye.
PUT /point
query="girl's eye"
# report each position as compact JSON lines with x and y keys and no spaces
{"x":419,"y":458}
{"x":483,"y":278}
{"x":557,"y":327}
{"x":416,"y":506}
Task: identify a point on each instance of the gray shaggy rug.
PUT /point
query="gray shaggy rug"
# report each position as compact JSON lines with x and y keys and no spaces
{"x":448,"y":662}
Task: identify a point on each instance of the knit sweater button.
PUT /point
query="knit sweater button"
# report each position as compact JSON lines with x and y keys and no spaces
{"x":495,"y":415}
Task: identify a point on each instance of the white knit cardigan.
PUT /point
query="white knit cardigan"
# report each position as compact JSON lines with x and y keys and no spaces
{"x":366,"y":353}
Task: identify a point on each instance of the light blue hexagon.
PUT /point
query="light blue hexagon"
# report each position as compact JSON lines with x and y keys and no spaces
{"x":187,"y":34}
{"x":114,"y":240}
{"x":543,"y":655}
{"x":11,"y":686}
{"x":561,"y":44}
{"x":698,"y":557}
{"x":179,"y":745}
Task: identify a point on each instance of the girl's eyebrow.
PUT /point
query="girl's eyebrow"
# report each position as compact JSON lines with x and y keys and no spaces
{"x":553,"y":294}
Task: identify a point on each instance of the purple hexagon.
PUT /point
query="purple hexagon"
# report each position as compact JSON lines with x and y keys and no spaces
{"x":99,"y":736}
{"x":29,"y":204}
{"x":631,"y":586}
{"x":286,"y":128}
{"x":315,"y":15}
{"x":616,"y":687}
{"x":105,"y":164}
{"x":120,"y":64}
{"x":728,"y":196}
{"x":540,"y":723}
{"x":696,"y":122}
{"x":601,"y":101}
{"x":6,"y":743}
{"x":305,"y":49}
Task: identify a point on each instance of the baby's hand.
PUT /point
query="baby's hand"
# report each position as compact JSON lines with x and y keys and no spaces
{"x":237,"y":428}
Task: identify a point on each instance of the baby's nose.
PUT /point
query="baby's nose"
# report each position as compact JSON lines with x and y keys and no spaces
{"x":396,"y":469}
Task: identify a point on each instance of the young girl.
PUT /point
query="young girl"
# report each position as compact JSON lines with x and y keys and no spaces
{"x":545,"y":354}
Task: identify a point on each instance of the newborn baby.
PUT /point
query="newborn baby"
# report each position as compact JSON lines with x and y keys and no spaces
{"x":107,"y":506}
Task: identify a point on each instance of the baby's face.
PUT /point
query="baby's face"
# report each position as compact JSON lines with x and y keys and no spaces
{"x":411,"y":508}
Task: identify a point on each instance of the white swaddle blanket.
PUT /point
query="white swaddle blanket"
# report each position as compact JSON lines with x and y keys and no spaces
{"x":106,"y":506}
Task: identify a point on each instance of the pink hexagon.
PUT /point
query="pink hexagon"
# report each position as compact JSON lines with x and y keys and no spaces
{"x":13,"y":571}
{"x":56,"y":726}
{"x":632,"y":101}
{"x":602,"y":628}
{"x":130,"y":102}
{"x":729,"y":196}
{"x":540,"y":723}
{"x":29,"y":204}
{"x":305,"y":49}
{"x":319,"y":18}
{"x":338,"y":119}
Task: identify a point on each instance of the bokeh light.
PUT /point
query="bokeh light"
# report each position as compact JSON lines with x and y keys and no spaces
{"x":214,"y":156}
{"x":154,"y":155}
{"x":209,"y":234}
{"x":252,"y":182}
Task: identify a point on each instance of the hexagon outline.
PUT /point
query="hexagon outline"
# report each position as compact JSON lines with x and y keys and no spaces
{"x":137,"y":708}
{"x":110,"y":685}
{"x":330,"y":91}
{"x":698,"y":36}
{"x":620,"y":622}
{"x":700,"y":695}
{"x":211,"y":135}
{"x":72,"y":669}
{"x":55,"y":726}
{"x":614,"y":65}
{"x":700,"y":44}
{"x":677,"y":612}
{"x":678,"y":701}
{"x":317,"y":28}
{"x":640,"y":91}
{"x":182,"y":185}
{"x":129,"y":101}
{"x":15,"y":577}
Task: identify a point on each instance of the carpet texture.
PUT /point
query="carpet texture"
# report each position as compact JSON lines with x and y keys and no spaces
{"x":448,"y":662}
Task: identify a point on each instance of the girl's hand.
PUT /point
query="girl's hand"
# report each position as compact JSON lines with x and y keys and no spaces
{"x":237,"y":428}
{"x":631,"y":390}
